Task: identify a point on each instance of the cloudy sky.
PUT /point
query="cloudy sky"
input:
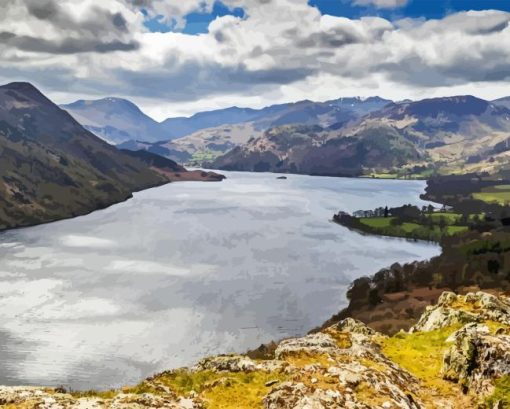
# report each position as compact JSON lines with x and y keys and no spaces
{"x":177,"y":57}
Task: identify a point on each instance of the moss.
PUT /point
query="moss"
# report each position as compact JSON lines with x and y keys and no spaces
{"x":421,"y":354}
{"x":240,"y":390}
{"x":95,"y":394}
{"x":342,"y":339}
{"x":302,"y":359}
{"x":501,"y":393}
{"x":183,"y":381}
{"x":367,"y":394}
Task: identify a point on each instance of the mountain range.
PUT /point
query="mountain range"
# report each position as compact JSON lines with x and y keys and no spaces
{"x":414,"y":137}
{"x":53,"y":168}
{"x":118,"y":120}
{"x":346,"y":136}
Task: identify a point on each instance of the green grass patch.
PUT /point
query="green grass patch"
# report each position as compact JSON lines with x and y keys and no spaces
{"x":449,"y":217}
{"x":494,"y":194}
{"x":501,"y":393}
{"x":421,"y":354}
{"x":451,"y":230}
{"x":376,"y":222}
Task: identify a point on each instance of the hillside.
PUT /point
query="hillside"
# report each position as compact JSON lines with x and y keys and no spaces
{"x":445,"y":135}
{"x":457,"y":355}
{"x":52,"y":168}
{"x":317,"y":151}
{"x":212,"y":134}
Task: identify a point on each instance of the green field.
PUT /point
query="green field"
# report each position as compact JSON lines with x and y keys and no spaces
{"x":414,"y":230}
{"x":376,"y":222}
{"x":495,"y":194}
{"x":450,"y":217}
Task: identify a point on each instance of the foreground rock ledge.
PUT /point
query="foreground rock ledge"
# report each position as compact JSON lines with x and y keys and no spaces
{"x":456,"y":356}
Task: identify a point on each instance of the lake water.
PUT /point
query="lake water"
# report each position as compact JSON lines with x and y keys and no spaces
{"x":183,"y":271}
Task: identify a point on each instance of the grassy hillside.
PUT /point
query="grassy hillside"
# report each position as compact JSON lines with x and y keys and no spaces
{"x":52,"y":168}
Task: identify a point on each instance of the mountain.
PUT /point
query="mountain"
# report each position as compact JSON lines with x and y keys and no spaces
{"x":229,"y":128}
{"x":52,"y":168}
{"x":318,"y":151}
{"x":448,"y":133}
{"x":459,"y":131}
{"x":201,"y":146}
{"x":116,"y":120}
{"x":504,"y":102}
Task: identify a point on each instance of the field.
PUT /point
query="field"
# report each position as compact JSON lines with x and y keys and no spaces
{"x":414,"y":230}
{"x":495,"y":194}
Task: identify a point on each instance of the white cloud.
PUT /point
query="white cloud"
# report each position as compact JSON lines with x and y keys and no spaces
{"x":281,"y":50}
{"x":382,"y":4}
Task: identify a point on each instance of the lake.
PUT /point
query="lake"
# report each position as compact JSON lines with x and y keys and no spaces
{"x":183,"y":271}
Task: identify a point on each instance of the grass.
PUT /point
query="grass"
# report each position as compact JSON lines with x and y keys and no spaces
{"x":241,"y":390}
{"x":495,"y":194}
{"x":225,"y":390}
{"x":421,"y":354}
{"x":376,"y":222}
{"x":384,"y":226}
{"x":501,"y":393}
{"x":449,"y":217}
{"x":451,"y":230}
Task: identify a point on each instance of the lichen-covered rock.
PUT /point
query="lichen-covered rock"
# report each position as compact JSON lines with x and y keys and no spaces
{"x":477,"y":357}
{"x":353,"y":326}
{"x":42,"y":398}
{"x":298,"y":396}
{"x":353,"y":373}
{"x":231,"y":363}
{"x":238,"y":363}
{"x":318,"y":343}
{"x":453,"y":309}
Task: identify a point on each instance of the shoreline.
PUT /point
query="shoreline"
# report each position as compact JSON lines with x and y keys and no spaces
{"x":130,"y":196}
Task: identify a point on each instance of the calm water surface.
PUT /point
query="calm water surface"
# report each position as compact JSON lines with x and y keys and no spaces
{"x":183,"y":271}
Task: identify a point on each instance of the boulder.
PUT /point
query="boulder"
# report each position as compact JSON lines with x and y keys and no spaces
{"x":477,"y":358}
{"x":453,"y":309}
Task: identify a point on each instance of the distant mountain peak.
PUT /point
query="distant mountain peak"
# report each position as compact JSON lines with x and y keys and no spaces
{"x":19,"y":86}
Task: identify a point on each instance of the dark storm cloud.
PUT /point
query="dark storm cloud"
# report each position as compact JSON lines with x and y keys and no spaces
{"x":65,"y":46}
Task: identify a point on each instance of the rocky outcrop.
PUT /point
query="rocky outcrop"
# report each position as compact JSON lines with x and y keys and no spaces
{"x":454,"y":309}
{"x":477,"y":357}
{"x":455,"y":357}
{"x":39,"y":398}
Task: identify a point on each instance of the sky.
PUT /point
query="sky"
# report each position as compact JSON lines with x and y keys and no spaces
{"x":178,"y":57}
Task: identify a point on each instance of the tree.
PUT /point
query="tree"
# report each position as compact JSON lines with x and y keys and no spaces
{"x":386,"y":212}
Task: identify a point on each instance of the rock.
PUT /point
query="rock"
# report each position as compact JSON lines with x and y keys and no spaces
{"x":477,"y":358}
{"x":318,"y":343}
{"x":355,"y":327}
{"x":231,"y":363}
{"x":454,"y":309}
{"x":39,"y":398}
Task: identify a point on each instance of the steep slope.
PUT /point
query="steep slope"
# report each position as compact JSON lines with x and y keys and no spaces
{"x":314,"y":150}
{"x":116,"y":120}
{"x":454,"y":130}
{"x":52,"y":168}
